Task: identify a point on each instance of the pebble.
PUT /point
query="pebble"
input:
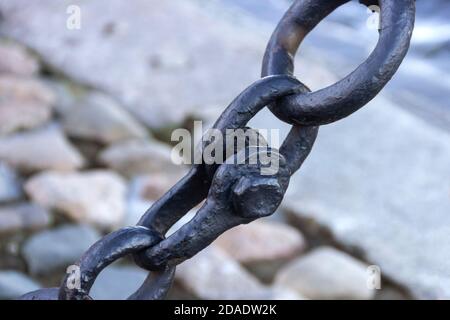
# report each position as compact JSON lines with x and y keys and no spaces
{"x":152,"y":186}
{"x":24,"y":103}
{"x":23,"y":217}
{"x":95,"y":197}
{"x":326,"y":273}
{"x":16,"y":60}
{"x":161,"y":79}
{"x":99,"y":118}
{"x":262,"y":246}
{"x":139,"y":157}
{"x":13,"y":284}
{"x":40,"y":149}
{"x":117,"y":282}
{"x":56,"y":249}
{"x":67,"y":94}
{"x":10,"y":186}
{"x":212,"y":274}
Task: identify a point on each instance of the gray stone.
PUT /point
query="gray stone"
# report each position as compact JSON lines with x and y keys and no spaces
{"x":372,"y":189}
{"x":262,"y":246}
{"x":10,"y":188}
{"x":117,"y":282}
{"x":23,"y":216}
{"x":24,"y":103}
{"x":230,"y":271}
{"x":56,"y":249}
{"x":96,"y":197}
{"x":99,"y":118}
{"x":379,"y":182}
{"x":40,"y":149}
{"x":16,"y":60}
{"x":212,"y":274}
{"x":67,"y":94}
{"x":160,"y":76}
{"x":281,"y":293}
{"x":139,"y":157}
{"x":13,"y":284}
{"x":387,"y":292}
{"x":326,"y":273}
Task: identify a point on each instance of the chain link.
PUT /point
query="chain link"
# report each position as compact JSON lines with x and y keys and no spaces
{"x":238,"y":193}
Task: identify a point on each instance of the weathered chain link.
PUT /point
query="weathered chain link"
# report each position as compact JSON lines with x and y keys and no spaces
{"x":238,"y":193}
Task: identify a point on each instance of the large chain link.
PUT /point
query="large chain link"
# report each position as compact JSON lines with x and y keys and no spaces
{"x":238,"y":193}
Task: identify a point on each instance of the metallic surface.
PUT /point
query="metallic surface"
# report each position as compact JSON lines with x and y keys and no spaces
{"x":359,"y":87}
{"x":228,"y":185}
{"x":107,"y":250}
{"x":235,"y":192}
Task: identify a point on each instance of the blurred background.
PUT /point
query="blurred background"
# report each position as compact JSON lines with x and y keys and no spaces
{"x":90,"y":92}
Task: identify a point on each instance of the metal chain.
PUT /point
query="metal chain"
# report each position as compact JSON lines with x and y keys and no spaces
{"x":237,"y":193}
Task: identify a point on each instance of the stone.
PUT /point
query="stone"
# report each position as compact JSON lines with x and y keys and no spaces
{"x":363,"y":209}
{"x":262,"y":246}
{"x":99,"y":118}
{"x":326,"y":273}
{"x":40,"y":149}
{"x":67,"y":94}
{"x":229,"y":267}
{"x":212,"y":274}
{"x":22,"y":217}
{"x":383,"y":192}
{"x":10,"y":187}
{"x":143,"y":191}
{"x":24,"y":103}
{"x":387,"y":292}
{"x":282,"y":293}
{"x":135,"y":209}
{"x":16,"y":60}
{"x":153,"y":186}
{"x":137,"y":206}
{"x":117,"y":282}
{"x":13,"y":284}
{"x":139,"y":157}
{"x":161,"y":77}
{"x":95,"y":197}
{"x":54,"y":250}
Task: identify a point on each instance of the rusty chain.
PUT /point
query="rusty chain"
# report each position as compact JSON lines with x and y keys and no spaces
{"x":238,"y":193}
